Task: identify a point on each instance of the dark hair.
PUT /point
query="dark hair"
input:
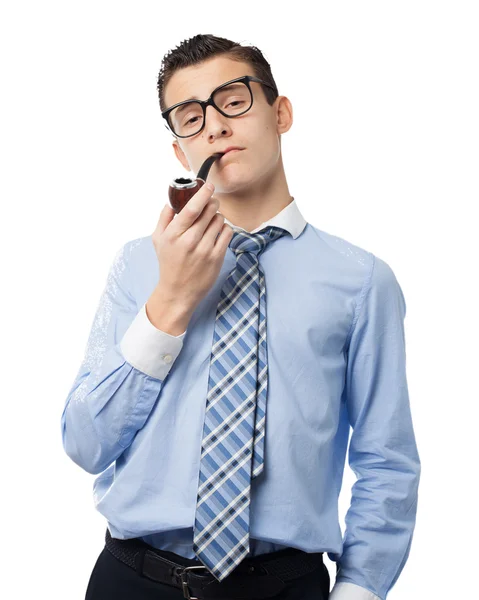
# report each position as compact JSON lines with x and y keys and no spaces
{"x":201,"y":48}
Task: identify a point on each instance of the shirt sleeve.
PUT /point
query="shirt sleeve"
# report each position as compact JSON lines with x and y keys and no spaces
{"x":125,"y":363}
{"x":382,"y":453}
{"x":148,"y":348}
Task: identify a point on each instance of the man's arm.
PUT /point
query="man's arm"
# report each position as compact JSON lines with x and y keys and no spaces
{"x":120,"y":378}
{"x":382,"y":452}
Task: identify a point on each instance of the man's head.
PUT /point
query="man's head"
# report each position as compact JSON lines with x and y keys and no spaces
{"x":193,"y":70}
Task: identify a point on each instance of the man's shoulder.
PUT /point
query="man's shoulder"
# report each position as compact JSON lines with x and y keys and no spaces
{"x":343,"y":248}
{"x":369,"y":264}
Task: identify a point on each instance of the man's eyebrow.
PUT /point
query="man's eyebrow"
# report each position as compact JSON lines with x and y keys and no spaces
{"x":182,"y":108}
{"x":232,"y":84}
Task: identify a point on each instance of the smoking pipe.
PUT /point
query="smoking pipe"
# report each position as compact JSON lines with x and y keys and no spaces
{"x":183,"y":189}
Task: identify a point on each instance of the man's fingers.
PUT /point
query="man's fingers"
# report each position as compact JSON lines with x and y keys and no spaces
{"x":166,"y":216}
{"x":194,"y":208}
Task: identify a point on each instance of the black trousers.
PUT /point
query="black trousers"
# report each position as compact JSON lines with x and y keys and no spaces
{"x":111,"y":579}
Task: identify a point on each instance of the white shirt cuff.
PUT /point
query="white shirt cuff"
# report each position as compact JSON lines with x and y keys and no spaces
{"x":343,"y":590}
{"x":148,"y":348}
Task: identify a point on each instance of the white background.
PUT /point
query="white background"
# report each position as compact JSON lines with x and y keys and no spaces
{"x":383,"y":152}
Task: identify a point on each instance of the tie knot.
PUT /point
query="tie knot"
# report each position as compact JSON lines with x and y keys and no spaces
{"x":243,"y":241}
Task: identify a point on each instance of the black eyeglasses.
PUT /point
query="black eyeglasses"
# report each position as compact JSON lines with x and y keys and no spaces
{"x":231,"y":99}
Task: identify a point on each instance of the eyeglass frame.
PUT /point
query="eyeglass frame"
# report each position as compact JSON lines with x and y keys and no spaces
{"x":246,"y":79}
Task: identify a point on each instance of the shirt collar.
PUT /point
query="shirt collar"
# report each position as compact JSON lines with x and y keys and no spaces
{"x":289,"y":218}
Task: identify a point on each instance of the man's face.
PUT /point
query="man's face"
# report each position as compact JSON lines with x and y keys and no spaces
{"x":256,"y":131}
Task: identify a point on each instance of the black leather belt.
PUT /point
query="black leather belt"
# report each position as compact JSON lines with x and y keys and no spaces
{"x":261,"y":576}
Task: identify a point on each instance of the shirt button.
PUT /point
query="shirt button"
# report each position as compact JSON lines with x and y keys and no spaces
{"x":167,"y":358}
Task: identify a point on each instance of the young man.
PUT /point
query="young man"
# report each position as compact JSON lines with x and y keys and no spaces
{"x":231,"y":351}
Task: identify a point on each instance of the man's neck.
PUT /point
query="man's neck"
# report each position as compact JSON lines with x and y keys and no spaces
{"x":255,"y":205}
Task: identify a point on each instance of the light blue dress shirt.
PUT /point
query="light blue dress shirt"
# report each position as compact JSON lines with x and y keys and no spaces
{"x":336,"y":358}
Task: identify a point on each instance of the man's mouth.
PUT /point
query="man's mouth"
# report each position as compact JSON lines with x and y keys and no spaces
{"x":230,"y":152}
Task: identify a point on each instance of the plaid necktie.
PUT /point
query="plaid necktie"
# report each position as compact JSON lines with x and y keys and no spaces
{"x":232,"y":451}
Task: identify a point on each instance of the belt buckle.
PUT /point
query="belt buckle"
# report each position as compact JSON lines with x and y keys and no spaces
{"x":184,"y":582}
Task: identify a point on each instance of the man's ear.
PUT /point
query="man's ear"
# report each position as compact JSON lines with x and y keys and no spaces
{"x":284,"y":114}
{"x":180,"y":155}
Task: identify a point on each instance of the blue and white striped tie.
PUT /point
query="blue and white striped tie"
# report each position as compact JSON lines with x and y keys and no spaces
{"x":232,"y":452}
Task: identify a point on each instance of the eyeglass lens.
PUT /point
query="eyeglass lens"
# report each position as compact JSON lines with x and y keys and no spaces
{"x":233,"y":99}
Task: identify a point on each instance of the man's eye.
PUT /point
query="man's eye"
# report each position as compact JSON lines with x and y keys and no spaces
{"x":235,"y":102}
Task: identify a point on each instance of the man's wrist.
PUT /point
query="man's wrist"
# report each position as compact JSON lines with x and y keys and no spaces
{"x":167,"y":313}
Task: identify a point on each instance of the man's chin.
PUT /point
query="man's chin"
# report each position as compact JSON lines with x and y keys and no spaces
{"x":232,"y":185}
{"x":231,"y":174}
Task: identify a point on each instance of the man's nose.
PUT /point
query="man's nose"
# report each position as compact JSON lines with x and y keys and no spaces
{"x":215,"y":121}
